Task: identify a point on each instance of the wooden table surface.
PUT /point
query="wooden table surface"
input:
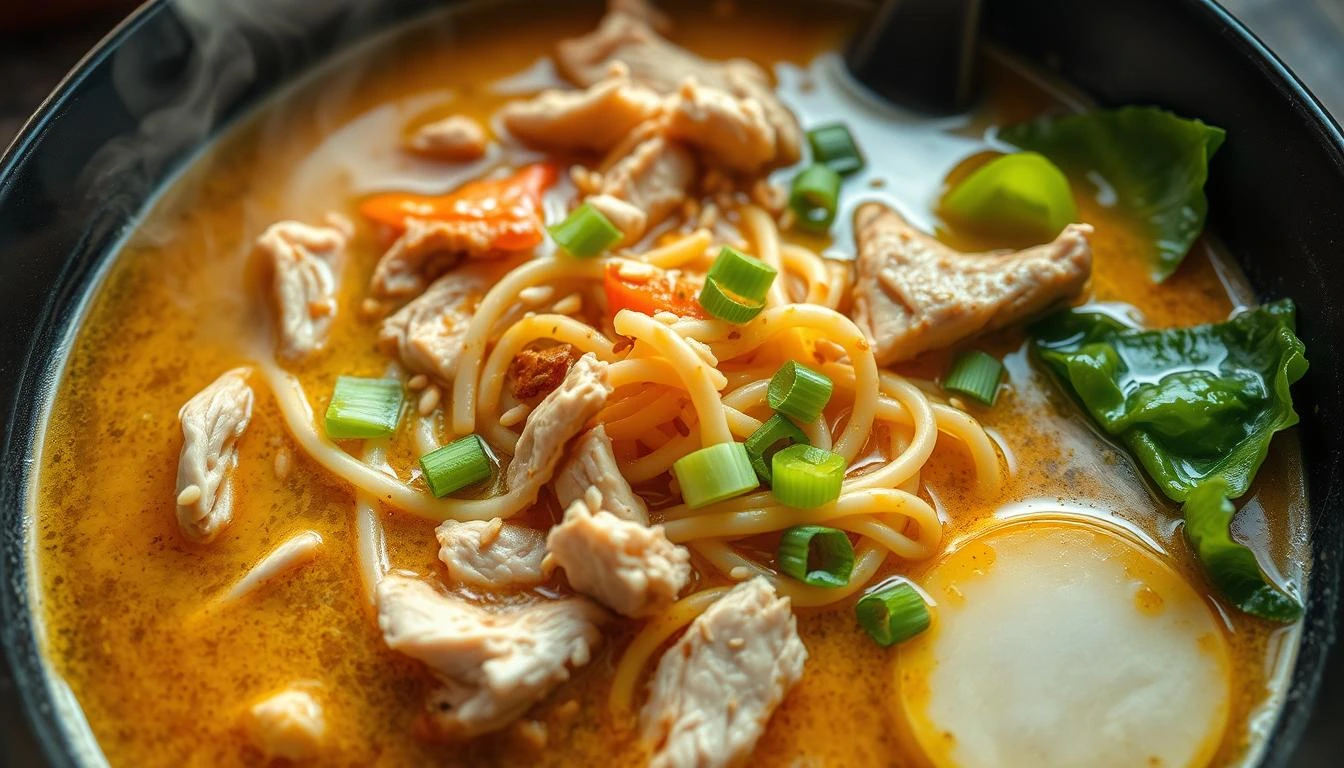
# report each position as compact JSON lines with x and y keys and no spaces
{"x":1307,"y":34}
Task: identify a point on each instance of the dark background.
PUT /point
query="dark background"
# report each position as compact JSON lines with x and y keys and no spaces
{"x":40,"y":40}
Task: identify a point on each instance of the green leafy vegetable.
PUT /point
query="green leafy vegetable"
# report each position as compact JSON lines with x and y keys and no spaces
{"x":1231,"y":566}
{"x":1155,"y":162}
{"x":1191,"y":403}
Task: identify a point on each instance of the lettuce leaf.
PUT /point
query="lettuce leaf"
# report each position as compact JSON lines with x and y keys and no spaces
{"x":1230,"y":565}
{"x":1190,"y":403}
{"x":1155,"y":162}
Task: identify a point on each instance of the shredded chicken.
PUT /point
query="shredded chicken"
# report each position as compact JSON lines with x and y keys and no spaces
{"x":291,"y":553}
{"x":715,"y":689}
{"x":556,"y":420}
{"x":734,"y":133}
{"x":491,"y":554}
{"x":629,"y":36}
{"x":288,"y":724}
{"x":427,"y":334}
{"x":632,"y":221}
{"x":592,"y":464}
{"x":913,"y":293}
{"x":627,"y":566}
{"x":494,"y":664}
{"x":426,"y":250}
{"x":537,"y":372}
{"x":304,"y":263}
{"x":212,"y":421}
{"x":594,"y":119}
{"x":653,"y":175}
{"x":455,"y":139}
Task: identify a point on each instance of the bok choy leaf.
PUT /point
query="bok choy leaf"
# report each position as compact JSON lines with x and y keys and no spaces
{"x":1190,"y":403}
{"x":1155,"y":162}
{"x":1230,"y":565}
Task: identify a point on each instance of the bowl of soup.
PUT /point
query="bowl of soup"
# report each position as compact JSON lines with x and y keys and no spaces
{"x":503,"y":384}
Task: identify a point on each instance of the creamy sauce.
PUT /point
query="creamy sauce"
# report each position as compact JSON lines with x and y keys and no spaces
{"x":184,"y":302}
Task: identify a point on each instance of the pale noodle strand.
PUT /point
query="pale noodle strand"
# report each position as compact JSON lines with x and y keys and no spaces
{"x":679,"y":253}
{"x":370,"y":539}
{"x":867,"y":559}
{"x":621,"y":700}
{"x":836,"y":328}
{"x":638,"y":424}
{"x":697,"y":376}
{"x":660,"y":461}
{"x":621,"y":405}
{"x":494,"y":304}
{"x":764,"y":234}
{"x":773,"y":517}
{"x":812,"y":269}
{"x":560,"y":328}
{"x":984,"y":457}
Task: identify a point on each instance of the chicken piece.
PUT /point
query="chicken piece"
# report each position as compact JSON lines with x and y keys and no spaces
{"x":304,"y":263}
{"x":454,"y":139}
{"x":913,"y":293}
{"x":426,"y":250}
{"x":734,"y":133}
{"x":654,"y":176}
{"x":288,"y":724}
{"x":628,"y":36}
{"x":491,"y":554}
{"x":631,"y":220}
{"x":627,"y":566}
{"x":592,"y":464}
{"x":715,"y":689}
{"x":494,"y":664}
{"x":537,"y":372}
{"x":427,"y":334}
{"x":212,"y":421}
{"x":556,"y":419}
{"x":594,"y":119}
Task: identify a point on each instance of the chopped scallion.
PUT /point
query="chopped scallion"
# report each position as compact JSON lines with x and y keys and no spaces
{"x":1019,"y":199}
{"x":363,"y":408}
{"x":975,"y":375}
{"x":798,"y":391}
{"x":893,"y":614}
{"x":805,"y":477}
{"x":456,"y":465}
{"x":735,"y":286}
{"x":712,"y":474}
{"x":775,"y":434}
{"x":585,"y":233}
{"x":833,"y":146}
{"x":816,"y":555}
{"x":722,"y":304}
{"x":815,"y":197}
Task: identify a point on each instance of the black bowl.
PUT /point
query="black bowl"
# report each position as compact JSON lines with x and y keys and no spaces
{"x":89,"y":162}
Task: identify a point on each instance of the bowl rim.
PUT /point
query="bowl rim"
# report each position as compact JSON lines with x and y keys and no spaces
{"x":34,"y":686}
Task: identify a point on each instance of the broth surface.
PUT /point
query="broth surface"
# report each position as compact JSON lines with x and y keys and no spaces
{"x":161,"y":678}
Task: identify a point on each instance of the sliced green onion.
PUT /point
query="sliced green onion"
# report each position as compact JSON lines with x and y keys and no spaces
{"x":1021,"y":197}
{"x":893,"y":614}
{"x":775,"y":434}
{"x":456,"y":465}
{"x":805,"y":477}
{"x":363,"y":408}
{"x":722,"y":304}
{"x":747,"y":276}
{"x":833,"y":146}
{"x":814,"y":197}
{"x":816,"y":555}
{"x":798,"y":391}
{"x":585,"y":233}
{"x":715,"y":473}
{"x":975,"y":375}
